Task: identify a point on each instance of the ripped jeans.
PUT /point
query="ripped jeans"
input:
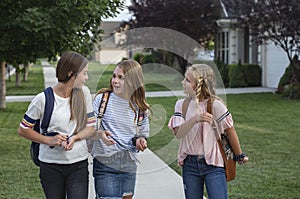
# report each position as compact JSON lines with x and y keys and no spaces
{"x":114,"y":176}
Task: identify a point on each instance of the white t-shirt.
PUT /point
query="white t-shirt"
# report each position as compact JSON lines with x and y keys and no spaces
{"x":60,"y":122}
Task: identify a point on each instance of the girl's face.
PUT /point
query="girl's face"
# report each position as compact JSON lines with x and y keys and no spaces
{"x":118,"y":82}
{"x":81,"y":77}
{"x":189,"y":83}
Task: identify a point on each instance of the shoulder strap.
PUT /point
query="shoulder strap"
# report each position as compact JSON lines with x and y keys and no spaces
{"x":140,"y":118}
{"x":102,"y":108}
{"x":49,"y":105}
{"x":209,"y":110}
{"x":185,"y":105}
{"x":209,"y":106}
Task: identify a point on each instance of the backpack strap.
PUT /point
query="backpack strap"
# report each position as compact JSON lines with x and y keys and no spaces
{"x":185,"y":105}
{"x":140,"y":118}
{"x":102,"y":108}
{"x":215,"y":128}
{"x":49,"y":105}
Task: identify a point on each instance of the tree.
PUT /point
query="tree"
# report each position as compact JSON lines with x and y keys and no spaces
{"x":31,"y":29}
{"x":272,"y":20}
{"x":194,"y":18}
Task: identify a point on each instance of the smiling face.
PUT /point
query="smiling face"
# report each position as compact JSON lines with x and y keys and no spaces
{"x":81,"y":77}
{"x":189,"y":83}
{"x":118,"y":82}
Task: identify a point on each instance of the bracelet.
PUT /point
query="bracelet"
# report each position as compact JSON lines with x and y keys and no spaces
{"x":239,"y":157}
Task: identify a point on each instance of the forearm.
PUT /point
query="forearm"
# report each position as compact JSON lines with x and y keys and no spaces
{"x":32,"y":135}
{"x":234,"y":140}
{"x":182,"y":130}
{"x":87,"y":132}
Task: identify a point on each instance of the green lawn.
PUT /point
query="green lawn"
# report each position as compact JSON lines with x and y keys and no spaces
{"x":267,"y":125}
{"x":32,"y":86}
{"x":99,"y":77}
{"x":268,"y":128}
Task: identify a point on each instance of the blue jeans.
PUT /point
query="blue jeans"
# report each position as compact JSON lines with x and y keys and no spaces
{"x":196,"y":172}
{"x":114,"y":176}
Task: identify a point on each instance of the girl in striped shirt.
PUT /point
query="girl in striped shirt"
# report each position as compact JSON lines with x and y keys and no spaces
{"x":115,"y":153}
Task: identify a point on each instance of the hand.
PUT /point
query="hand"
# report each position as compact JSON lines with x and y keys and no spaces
{"x":141,"y":143}
{"x":69,"y":143}
{"x":56,"y":140}
{"x":243,"y":161}
{"x":204,"y":117}
{"x":104,"y":135}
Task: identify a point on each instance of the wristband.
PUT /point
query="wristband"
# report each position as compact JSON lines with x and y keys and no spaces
{"x":136,"y":137}
{"x":239,"y":157}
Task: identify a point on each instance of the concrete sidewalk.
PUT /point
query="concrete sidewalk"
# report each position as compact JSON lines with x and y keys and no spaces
{"x":155,"y":179}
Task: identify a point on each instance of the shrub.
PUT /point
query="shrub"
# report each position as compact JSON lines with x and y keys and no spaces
{"x":243,"y":75}
{"x":292,"y":91}
{"x":149,"y":63}
{"x":139,"y":57}
{"x":223,"y":69}
{"x":252,"y":74}
{"x":286,"y":78}
{"x":237,"y":76}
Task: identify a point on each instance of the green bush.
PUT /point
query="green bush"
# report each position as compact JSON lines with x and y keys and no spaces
{"x":139,"y":57}
{"x":252,"y":74}
{"x":150,"y":63}
{"x":223,"y":69}
{"x":243,"y":75}
{"x":237,"y":76}
{"x":291,"y":91}
{"x":287,"y":77}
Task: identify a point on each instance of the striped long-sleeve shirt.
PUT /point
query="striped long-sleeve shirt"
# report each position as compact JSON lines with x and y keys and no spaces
{"x":119,"y":119}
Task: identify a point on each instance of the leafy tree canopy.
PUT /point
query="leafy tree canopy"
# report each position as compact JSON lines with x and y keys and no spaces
{"x":276,"y":20}
{"x":32,"y":29}
{"x":192,"y":18}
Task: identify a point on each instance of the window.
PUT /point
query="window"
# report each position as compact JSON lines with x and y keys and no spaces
{"x":223,"y":46}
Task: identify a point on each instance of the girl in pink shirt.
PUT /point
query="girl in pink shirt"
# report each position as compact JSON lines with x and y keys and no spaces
{"x":198,"y":152}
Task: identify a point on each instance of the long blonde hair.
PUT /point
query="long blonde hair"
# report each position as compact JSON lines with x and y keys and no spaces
{"x":134,"y":83}
{"x":206,"y":81}
{"x":70,"y":64}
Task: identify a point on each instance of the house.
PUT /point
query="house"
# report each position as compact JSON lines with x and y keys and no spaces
{"x":233,"y":44}
{"x":110,"y":52}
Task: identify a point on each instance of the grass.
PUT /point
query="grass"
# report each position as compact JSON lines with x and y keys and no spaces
{"x":18,"y":175}
{"x":99,"y":77}
{"x":32,"y":86}
{"x":267,"y":125}
{"x":268,"y":128}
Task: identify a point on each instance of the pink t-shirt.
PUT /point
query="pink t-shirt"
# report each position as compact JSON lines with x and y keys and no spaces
{"x":201,"y":139}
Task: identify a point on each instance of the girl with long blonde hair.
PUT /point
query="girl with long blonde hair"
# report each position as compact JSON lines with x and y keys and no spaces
{"x":198,"y":153}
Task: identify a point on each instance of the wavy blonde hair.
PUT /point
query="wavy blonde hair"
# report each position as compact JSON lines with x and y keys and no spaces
{"x":206,"y":81}
{"x":134,"y":83}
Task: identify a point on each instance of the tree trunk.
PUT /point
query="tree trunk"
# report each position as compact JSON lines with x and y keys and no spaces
{"x":18,"y":70}
{"x":25,"y":74}
{"x":182,"y":63}
{"x":2,"y":86}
